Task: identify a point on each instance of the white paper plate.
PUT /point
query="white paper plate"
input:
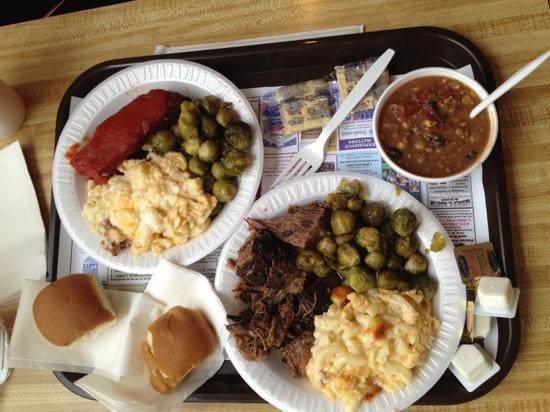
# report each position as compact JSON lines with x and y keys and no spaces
{"x":69,"y":188}
{"x":270,"y":378}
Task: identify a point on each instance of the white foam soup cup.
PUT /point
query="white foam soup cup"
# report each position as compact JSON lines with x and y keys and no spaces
{"x":431,"y":72}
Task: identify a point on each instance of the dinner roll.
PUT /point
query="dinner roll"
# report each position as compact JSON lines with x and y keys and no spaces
{"x":177,"y":342}
{"x":71,"y":308}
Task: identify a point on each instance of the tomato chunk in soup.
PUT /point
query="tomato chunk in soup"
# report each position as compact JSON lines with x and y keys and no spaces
{"x":425,"y":127}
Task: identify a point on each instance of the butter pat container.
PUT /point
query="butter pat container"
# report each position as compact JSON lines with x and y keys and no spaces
{"x":496,"y":297}
{"x":482,"y":326}
{"x":469,"y":322}
{"x":473,"y":366}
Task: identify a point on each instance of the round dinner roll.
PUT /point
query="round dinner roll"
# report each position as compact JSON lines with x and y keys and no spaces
{"x":177,"y":342}
{"x":71,"y":308}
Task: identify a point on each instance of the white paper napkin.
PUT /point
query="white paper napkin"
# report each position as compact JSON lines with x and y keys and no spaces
{"x":22,"y":234}
{"x":112,"y":352}
{"x":170,"y":285}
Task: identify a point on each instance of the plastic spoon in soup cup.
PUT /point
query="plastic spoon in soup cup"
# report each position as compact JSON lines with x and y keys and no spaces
{"x":508,"y":84}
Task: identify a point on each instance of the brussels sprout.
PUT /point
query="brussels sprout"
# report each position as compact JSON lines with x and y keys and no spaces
{"x":322,"y":271}
{"x":192,"y":146}
{"x":350,"y":188}
{"x":208,"y":181}
{"x":341,"y":222}
{"x":369,"y":238}
{"x":209,"y":151}
{"x":210,"y":104}
{"x":374,"y":213}
{"x":344,"y":271}
{"x":227,"y":148}
{"x":438,"y":242}
{"x":308,"y":260}
{"x":426,"y":285}
{"x":197,"y":166}
{"x":327,"y":246}
{"x":209,"y":128}
{"x":226,"y":115}
{"x":416,"y":264}
{"x":217,"y":209}
{"x":354,"y":204}
{"x":360,"y":280}
{"x":387,"y":231}
{"x":235,"y":162}
{"x":340,"y":240}
{"x":163,"y":141}
{"x":403,"y":283}
{"x":189,"y":114}
{"x":218,"y":171}
{"x":386,"y":279}
{"x":238,"y":135}
{"x":394,"y":263}
{"x":347,"y":255}
{"x":336,"y":201}
{"x":375,"y":260}
{"x":406,"y":246}
{"x":176,"y":131}
{"x":224,"y":190}
{"x":403,"y":222}
{"x":188,"y":131}
{"x":384,"y":244}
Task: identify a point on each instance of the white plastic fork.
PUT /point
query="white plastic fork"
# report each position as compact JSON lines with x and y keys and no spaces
{"x":308,"y":160}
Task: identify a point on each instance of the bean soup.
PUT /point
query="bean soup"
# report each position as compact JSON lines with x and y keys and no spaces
{"x":425,"y":127}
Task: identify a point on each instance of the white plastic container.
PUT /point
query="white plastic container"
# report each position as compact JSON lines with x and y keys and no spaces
{"x":12,"y":110}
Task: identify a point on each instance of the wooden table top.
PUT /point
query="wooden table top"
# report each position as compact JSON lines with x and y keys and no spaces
{"x":41,"y":58}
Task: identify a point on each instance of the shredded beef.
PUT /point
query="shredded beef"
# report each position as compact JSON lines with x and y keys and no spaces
{"x":295,"y":354}
{"x":281,"y":299}
{"x":301,"y":226}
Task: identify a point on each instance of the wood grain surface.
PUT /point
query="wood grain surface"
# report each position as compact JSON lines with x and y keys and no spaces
{"x":41,"y":58}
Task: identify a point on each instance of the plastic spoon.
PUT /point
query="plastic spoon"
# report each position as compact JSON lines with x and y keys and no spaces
{"x":508,"y":84}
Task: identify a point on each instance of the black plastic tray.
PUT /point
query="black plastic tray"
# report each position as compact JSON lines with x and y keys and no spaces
{"x":289,"y":62}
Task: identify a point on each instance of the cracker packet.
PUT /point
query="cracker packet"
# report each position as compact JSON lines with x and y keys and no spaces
{"x":310,"y":89}
{"x":349,"y":74}
{"x":305,"y":114}
{"x":304,"y":106}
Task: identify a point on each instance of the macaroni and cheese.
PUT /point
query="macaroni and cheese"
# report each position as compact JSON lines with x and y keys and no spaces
{"x":153,"y":205}
{"x":375,"y":342}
